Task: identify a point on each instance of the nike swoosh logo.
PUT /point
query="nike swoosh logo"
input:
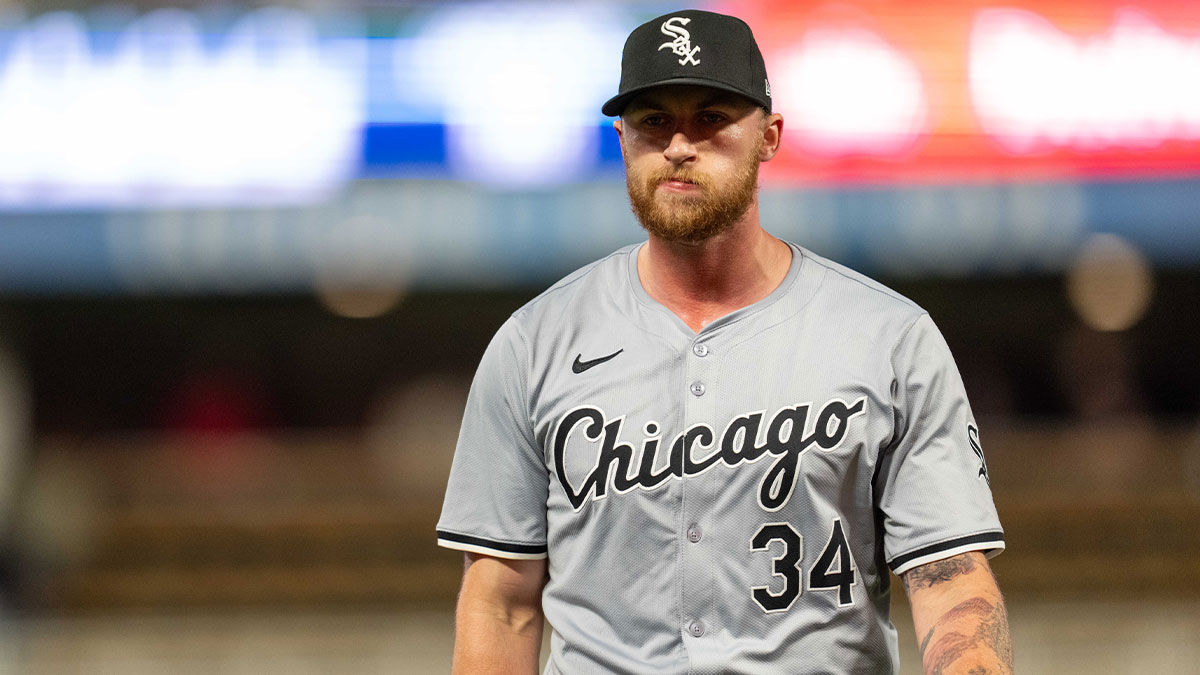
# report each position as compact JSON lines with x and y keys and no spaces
{"x":580,"y":366}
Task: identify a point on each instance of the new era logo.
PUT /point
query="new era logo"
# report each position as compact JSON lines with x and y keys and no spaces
{"x":682,"y":44}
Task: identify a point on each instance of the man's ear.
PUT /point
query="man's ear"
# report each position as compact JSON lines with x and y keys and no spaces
{"x":772,"y":137}
{"x":620,"y":134}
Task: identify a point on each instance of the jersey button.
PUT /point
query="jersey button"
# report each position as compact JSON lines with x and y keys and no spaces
{"x":696,"y":628}
{"x":700,"y":349}
{"x":694,"y":534}
{"x":697,"y":388}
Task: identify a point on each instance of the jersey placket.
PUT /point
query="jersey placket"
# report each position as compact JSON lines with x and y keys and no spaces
{"x":695,"y":536}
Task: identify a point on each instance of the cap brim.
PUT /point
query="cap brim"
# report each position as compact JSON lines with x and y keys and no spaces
{"x":616,"y":105}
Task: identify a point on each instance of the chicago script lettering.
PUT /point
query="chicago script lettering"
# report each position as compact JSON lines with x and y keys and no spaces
{"x":697,"y":449}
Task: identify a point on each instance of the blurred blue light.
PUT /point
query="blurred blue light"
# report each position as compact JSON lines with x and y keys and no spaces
{"x":610,"y":145}
{"x":392,"y":146}
{"x":520,"y":86}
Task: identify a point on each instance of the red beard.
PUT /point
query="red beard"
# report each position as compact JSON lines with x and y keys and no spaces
{"x":692,"y":218}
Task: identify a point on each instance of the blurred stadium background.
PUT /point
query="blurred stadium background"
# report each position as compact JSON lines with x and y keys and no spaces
{"x":250,"y":254}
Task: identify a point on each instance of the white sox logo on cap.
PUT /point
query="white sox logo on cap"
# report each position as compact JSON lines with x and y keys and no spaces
{"x":682,"y":44}
{"x":732,"y":61}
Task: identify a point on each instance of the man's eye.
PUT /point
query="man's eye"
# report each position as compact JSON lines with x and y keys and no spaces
{"x":712,"y":118}
{"x":654,"y":121}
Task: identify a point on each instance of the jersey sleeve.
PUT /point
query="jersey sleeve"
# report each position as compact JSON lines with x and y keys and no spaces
{"x":932,"y":485}
{"x":496,"y":497}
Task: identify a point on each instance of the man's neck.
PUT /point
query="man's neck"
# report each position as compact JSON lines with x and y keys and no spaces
{"x":704,"y":281}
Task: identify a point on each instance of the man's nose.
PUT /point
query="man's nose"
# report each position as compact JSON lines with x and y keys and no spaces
{"x":680,"y":149}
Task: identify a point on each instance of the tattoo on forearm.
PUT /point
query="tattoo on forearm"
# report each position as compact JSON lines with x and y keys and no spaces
{"x":960,"y":611}
{"x":995,"y":634}
{"x":950,"y":646}
{"x":928,"y":576}
{"x":991,"y":632}
{"x":947,"y":650}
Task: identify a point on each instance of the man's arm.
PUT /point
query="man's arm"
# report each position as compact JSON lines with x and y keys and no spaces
{"x":960,"y":618}
{"x":498,"y":625}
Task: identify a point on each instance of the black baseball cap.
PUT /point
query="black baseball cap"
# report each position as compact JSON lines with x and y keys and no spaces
{"x":692,"y":47}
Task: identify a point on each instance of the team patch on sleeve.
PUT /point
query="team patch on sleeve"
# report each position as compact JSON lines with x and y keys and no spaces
{"x":500,"y":549}
{"x":992,"y":543}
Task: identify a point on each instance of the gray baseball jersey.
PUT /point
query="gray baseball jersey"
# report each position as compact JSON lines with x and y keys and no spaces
{"x":727,"y":501}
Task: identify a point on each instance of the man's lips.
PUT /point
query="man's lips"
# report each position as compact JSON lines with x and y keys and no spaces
{"x":681,"y":184}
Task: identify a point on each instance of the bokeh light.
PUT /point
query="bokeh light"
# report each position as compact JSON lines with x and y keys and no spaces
{"x":521,"y":87}
{"x":1038,"y":88}
{"x":847,"y":91}
{"x":1110,"y":284}
{"x":359,"y":303}
{"x":270,"y":114}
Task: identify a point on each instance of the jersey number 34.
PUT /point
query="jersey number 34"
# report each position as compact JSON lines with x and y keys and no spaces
{"x":834,"y":569}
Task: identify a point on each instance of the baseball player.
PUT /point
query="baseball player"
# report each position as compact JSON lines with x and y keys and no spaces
{"x":704,"y":453}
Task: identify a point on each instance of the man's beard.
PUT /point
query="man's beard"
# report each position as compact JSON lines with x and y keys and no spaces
{"x":692,"y":218}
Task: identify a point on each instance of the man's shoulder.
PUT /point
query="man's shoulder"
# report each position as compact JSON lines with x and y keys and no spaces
{"x":857,"y":293}
{"x":861,"y":287}
{"x":601,"y":275}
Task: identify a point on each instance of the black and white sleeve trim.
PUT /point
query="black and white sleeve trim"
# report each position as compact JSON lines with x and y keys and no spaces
{"x":991,"y":543}
{"x":500,"y":549}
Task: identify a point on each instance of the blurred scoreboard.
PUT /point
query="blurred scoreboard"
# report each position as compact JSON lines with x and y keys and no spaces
{"x":952,"y":90}
{"x":242,"y":148}
{"x":110,"y":107}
